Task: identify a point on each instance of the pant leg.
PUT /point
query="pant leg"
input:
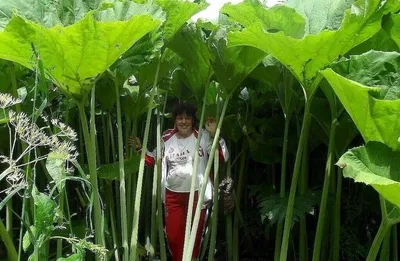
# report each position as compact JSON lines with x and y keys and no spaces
{"x":175,"y":220}
{"x":176,"y":205}
{"x":197,"y":245}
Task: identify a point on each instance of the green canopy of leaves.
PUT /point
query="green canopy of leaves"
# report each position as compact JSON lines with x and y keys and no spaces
{"x":46,"y":12}
{"x":305,"y":57}
{"x":73,"y":55}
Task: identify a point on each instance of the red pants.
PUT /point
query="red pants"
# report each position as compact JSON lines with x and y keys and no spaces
{"x":176,"y":207}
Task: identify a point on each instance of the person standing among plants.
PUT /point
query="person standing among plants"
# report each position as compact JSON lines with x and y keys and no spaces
{"x":178,"y":148}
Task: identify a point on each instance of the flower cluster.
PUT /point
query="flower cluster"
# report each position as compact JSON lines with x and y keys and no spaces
{"x":83,"y":244}
{"x":34,"y":136}
{"x":65,"y":130}
{"x":28,"y":131}
{"x":6,"y":100}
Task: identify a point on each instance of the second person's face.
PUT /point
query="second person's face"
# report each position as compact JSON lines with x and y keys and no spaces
{"x":184,"y":124}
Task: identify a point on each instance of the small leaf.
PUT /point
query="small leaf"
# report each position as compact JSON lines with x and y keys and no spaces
{"x":377,"y":165}
{"x":55,"y":165}
{"x":74,"y":257}
{"x":27,"y":239}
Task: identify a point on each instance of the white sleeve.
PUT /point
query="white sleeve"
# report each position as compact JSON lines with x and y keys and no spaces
{"x":222,"y":148}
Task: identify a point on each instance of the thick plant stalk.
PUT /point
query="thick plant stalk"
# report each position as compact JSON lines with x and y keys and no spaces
{"x":385,"y":249}
{"x":112,"y":220}
{"x":99,"y":224}
{"x":160,"y":222}
{"x":91,"y":156}
{"x":303,"y":183}
{"x":122,"y":195}
{"x":5,"y":236}
{"x":293,"y":186}
{"x":187,"y":252}
{"x":214,"y":217}
{"x":395,"y":251}
{"x":153,"y":234}
{"x":325,"y":193}
{"x":373,"y":251}
{"x":81,"y":139}
{"x":205,"y":242}
{"x":131,"y":180}
{"x":194,"y":176}
{"x":238,"y":200}
{"x":279,"y":229}
{"x":228,"y":219}
{"x":135,"y":224}
{"x":336,"y":219}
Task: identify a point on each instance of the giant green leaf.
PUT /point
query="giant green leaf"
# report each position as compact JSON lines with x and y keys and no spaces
{"x":377,"y":120}
{"x":320,"y":14}
{"x":305,"y":57}
{"x":105,"y":92}
{"x":377,"y":165}
{"x":373,"y":68}
{"x":117,"y":10}
{"x":278,"y":18}
{"x":392,"y":27}
{"x":73,"y":55}
{"x":190,"y":44}
{"x":46,"y":12}
{"x":381,"y":41}
{"x":178,"y":12}
{"x":232,"y":65}
{"x":168,"y":63}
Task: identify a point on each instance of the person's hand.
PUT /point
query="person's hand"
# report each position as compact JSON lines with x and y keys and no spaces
{"x":135,"y":142}
{"x":211,"y":126}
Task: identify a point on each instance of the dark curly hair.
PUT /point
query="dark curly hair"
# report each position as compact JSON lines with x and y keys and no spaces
{"x":187,"y":108}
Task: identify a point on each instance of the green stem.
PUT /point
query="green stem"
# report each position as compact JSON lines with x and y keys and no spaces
{"x":395,"y":254}
{"x":385,"y":249}
{"x":228,"y":221}
{"x":112,"y":220}
{"x":160,"y":222}
{"x":194,"y":176}
{"x":60,"y":220}
{"x":122,"y":195}
{"x":187,"y":256}
{"x":384,"y":253}
{"x":5,"y":236}
{"x":319,"y":234}
{"x":293,"y":186}
{"x":131,"y":181}
{"x":303,"y":246}
{"x":373,"y":251}
{"x":279,"y":229}
{"x":135,"y":224}
{"x":214,"y":217}
{"x":157,"y":172}
{"x":336,"y":219}
{"x":91,"y":156}
{"x":238,"y":200}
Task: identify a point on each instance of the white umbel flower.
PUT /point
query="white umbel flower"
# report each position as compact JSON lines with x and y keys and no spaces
{"x":7,"y":100}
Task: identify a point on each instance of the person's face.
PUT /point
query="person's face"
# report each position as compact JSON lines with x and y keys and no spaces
{"x":184,"y":124}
